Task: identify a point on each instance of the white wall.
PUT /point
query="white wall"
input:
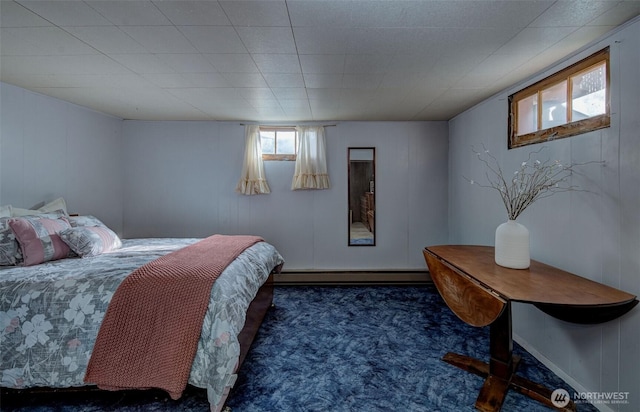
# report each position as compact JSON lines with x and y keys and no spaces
{"x":595,"y":234}
{"x":180,"y":179}
{"x":50,"y":148}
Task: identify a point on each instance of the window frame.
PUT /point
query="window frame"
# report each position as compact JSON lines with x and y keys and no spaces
{"x":570,"y":128}
{"x":280,"y":157}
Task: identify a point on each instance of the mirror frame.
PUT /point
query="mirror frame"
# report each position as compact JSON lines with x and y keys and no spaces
{"x":373,"y":196}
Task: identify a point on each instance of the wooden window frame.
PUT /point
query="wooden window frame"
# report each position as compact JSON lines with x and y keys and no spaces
{"x":280,"y":157}
{"x":567,"y":129}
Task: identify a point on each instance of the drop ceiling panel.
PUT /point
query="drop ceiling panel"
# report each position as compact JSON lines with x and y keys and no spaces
{"x":13,"y":14}
{"x":256,"y":13}
{"x":44,"y":41}
{"x":290,"y":61}
{"x":233,"y":62}
{"x":214,"y":39}
{"x":106,"y":39}
{"x":194,"y":13}
{"x":187,"y":62}
{"x":277,"y":63}
{"x":322,"y":63}
{"x":267,"y":39}
{"x":130,"y":13}
{"x":284,"y":80}
{"x":66,"y":13}
{"x":160,"y":39}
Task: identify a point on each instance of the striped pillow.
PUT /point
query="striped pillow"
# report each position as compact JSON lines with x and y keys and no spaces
{"x":90,"y":240}
{"x":38,"y":239}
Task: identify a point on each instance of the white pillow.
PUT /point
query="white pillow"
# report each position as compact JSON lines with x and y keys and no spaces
{"x":5,"y":211}
{"x":57,"y":204}
{"x":51,"y":207}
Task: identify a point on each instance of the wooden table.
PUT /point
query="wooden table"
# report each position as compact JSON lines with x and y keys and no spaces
{"x":480,"y":293}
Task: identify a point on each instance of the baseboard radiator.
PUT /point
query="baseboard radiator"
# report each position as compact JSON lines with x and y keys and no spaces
{"x":347,"y":277}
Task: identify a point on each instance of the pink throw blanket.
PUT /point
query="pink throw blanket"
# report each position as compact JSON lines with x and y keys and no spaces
{"x":150,"y":332}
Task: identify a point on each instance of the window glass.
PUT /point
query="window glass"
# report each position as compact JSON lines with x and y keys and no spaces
{"x":589,"y":93}
{"x":286,"y":142}
{"x":268,"y":141}
{"x":554,"y":105}
{"x":528,"y":115}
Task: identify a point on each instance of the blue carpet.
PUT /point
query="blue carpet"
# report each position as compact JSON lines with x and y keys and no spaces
{"x":347,"y":349}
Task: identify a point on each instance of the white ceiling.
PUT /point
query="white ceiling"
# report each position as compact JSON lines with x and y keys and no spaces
{"x":293,"y":60}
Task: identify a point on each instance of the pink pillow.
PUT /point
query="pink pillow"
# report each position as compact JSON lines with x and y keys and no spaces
{"x":38,"y":239}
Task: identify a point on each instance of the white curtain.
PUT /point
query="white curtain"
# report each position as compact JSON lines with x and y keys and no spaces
{"x":311,"y":160}
{"x":253,"y":180}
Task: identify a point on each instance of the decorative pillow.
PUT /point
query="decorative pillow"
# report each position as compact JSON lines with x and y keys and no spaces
{"x":90,"y":240}
{"x":38,"y":238}
{"x":9,"y":249}
{"x":88,"y":220}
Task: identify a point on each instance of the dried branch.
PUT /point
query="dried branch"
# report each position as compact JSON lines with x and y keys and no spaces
{"x":534,"y":180}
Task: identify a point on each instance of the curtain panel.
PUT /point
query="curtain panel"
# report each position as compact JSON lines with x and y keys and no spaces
{"x":311,"y":160}
{"x":253,"y":180}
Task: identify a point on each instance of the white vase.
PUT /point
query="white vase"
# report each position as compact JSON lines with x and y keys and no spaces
{"x":512,"y":245}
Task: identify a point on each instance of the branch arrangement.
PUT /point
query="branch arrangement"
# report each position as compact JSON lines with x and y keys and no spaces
{"x":534,"y":180}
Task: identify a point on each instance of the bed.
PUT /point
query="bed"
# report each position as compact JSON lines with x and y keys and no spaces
{"x":51,"y":313}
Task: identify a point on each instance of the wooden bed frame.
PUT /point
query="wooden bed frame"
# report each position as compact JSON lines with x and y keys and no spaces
{"x":256,"y":312}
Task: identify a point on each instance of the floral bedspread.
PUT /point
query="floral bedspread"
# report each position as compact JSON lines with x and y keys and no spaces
{"x":50,"y":314}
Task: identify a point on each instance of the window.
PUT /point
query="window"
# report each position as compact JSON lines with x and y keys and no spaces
{"x":279,"y":143}
{"x":573,"y":101}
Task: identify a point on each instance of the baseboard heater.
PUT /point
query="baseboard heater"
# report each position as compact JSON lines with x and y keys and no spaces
{"x":351,"y":277}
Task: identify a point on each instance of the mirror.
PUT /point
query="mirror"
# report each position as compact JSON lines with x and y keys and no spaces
{"x":362,"y":200}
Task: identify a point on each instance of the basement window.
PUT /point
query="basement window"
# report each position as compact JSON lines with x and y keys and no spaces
{"x":279,"y":143}
{"x":570,"y":102}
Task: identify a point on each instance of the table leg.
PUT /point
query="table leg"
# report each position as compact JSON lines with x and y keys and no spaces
{"x":499,"y":373}
{"x":501,"y":364}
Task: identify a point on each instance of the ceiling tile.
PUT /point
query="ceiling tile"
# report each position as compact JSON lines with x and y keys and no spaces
{"x":214,"y":39}
{"x":187,"y":63}
{"x":194,"y":13}
{"x":284,"y":79}
{"x":361,"y":81}
{"x":245,"y":79}
{"x":130,"y":13}
{"x":323,"y":81}
{"x":41,"y":41}
{"x":383,"y":41}
{"x":289,"y":93}
{"x":233,"y":63}
{"x":535,"y":40}
{"x":296,"y":59}
{"x":107,"y":39}
{"x":277,"y":63}
{"x":322,"y":63}
{"x":367,"y":63}
{"x":565,"y":14}
{"x":76,"y":64}
{"x":206,"y":79}
{"x":66,"y":13}
{"x":621,"y":12}
{"x":250,"y":93}
{"x":257,"y":13}
{"x":267,"y":39}
{"x":187,"y":80}
{"x":142,"y":63}
{"x":320,"y":13}
{"x":160,"y":39}
{"x":13,"y":14}
{"x":314,"y":40}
